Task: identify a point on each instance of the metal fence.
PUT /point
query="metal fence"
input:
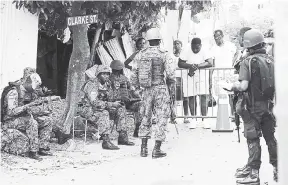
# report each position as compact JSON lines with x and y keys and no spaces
{"x":195,"y":95}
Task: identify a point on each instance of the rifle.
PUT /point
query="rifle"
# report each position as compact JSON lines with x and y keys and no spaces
{"x":172,"y":106}
{"x":237,"y":117}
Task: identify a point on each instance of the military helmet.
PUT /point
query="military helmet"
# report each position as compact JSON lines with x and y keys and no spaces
{"x":117,"y":65}
{"x":32,"y":82}
{"x":102,"y":69}
{"x":153,"y":33}
{"x":252,"y":38}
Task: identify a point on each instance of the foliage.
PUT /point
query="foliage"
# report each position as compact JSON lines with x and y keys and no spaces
{"x":134,"y":15}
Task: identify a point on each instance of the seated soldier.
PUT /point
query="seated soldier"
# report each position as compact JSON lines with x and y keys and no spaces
{"x":124,"y":92}
{"x":21,"y":111}
{"x":97,"y":108}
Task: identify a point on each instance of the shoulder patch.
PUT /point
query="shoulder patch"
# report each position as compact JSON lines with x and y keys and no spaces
{"x":12,"y":94}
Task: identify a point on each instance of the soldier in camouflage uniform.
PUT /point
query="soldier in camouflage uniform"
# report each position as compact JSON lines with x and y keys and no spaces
{"x":97,"y":108}
{"x":155,"y":74}
{"x":23,"y":112}
{"x":123,"y":91}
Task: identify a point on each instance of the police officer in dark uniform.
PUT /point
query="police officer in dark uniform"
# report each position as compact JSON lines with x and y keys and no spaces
{"x":256,"y":77}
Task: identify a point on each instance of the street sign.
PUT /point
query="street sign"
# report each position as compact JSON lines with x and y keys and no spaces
{"x":87,"y":19}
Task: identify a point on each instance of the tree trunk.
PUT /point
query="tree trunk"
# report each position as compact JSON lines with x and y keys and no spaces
{"x":95,"y":41}
{"x":77,"y":66}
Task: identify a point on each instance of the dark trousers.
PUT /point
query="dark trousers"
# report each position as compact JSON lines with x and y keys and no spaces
{"x":191,"y":102}
{"x":261,"y":121}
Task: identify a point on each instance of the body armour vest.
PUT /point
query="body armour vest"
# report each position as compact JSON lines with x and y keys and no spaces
{"x":151,"y":67}
{"x":120,"y":87}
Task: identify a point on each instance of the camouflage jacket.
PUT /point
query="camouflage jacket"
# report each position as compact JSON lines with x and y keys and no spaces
{"x":121,"y":88}
{"x":162,"y":68}
{"x":96,"y":94}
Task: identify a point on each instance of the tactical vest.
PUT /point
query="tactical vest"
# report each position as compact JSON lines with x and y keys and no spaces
{"x":261,"y":68}
{"x":151,"y":67}
{"x":119,"y":87}
{"x":4,"y":101}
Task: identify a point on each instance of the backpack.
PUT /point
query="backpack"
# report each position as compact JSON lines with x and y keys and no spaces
{"x":266,"y":66}
{"x":3,"y":96}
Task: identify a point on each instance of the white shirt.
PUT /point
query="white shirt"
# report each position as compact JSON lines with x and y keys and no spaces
{"x":223,"y":59}
{"x":224,"y":54}
{"x":199,"y":83}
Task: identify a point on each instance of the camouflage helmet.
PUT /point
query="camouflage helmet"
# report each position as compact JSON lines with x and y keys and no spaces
{"x":153,"y":33}
{"x":32,"y":82}
{"x":102,"y":69}
{"x":117,"y":65}
{"x":28,"y":71}
{"x":252,"y":38}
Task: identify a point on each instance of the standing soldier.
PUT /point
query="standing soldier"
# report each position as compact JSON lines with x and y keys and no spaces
{"x":19,"y":111}
{"x":124,"y":92}
{"x":256,"y":76}
{"x":98,"y":109}
{"x":155,"y":74}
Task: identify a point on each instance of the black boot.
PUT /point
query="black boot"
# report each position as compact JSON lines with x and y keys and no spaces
{"x":144,"y":149}
{"x":243,"y":172}
{"x":157,"y":153}
{"x":33,"y":155}
{"x":107,"y":144}
{"x":275,"y":173}
{"x":62,"y":138}
{"x":136,"y":131}
{"x":44,"y":152}
{"x":123,"y":139}
{"x":251,"y":179}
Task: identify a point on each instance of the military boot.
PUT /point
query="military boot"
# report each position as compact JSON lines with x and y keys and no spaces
{"x":251,"y":179}
{"x":33,"y":155}
{"x":62,"y":138}
{"x":136,"y":131}
{"x":144,"y":149}
{"x":123,"y":139}
{"x":107,"y":144}
{"x":242,"y":172}
{"x":44,"y":152}
{"x":275,"y":173}
{"x":157,"y":153}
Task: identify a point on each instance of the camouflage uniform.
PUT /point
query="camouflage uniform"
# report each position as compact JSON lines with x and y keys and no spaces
{"x":100,"y":110}
{"x":14,"y":142}
{"x":123,"y":91}
{"x":37,"y":128}
{"x":156,"y":98}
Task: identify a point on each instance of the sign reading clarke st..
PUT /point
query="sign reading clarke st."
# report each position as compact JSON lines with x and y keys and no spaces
{"x":87,"y":19}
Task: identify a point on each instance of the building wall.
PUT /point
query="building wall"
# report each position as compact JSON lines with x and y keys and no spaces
{"x":19,"y":34}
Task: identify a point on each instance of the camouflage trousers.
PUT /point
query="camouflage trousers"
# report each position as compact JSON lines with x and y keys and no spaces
{"x":157,"y":100}
{"x":119,"y":117}
{"x":135,"y":107}
{"x":101,"y":118}
{"x":38,"y":130}
{"x":14,"y":142}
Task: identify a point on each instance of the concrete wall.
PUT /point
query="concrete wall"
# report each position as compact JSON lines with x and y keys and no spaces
{"x":281,"y":66}
{"x":19,"y":34}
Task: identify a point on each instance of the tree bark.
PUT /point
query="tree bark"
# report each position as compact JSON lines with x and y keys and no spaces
{"x":77,"y":65}
{"x":95,"y":41}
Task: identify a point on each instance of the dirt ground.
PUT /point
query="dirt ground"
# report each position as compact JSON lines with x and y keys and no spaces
{"x":194,"y":157}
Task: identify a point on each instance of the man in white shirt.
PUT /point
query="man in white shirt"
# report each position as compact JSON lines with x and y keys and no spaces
{"x":197,"y":84}
{"x":177,"y":47}
{"x":223,"y":52}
